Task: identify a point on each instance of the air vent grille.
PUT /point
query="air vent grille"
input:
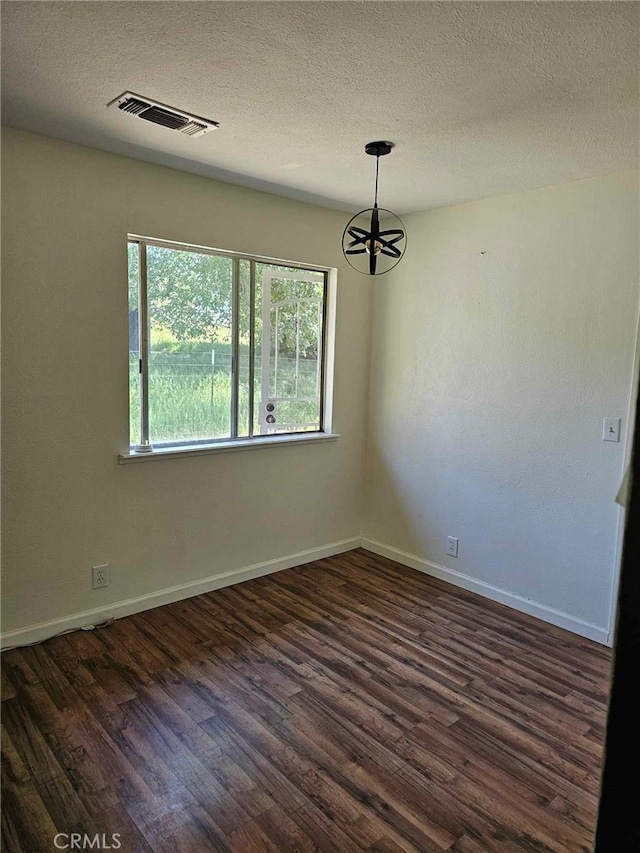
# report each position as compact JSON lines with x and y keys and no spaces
{"x":194,"y":128}
{"x":133,"y":105}
{"x":163,"y":115}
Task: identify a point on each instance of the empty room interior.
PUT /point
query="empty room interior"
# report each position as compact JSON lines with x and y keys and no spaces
{"x":320,"y":368}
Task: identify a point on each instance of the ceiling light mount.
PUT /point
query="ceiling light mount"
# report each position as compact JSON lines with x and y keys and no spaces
{"x":372,"y":246}
{"x":378,"y":149}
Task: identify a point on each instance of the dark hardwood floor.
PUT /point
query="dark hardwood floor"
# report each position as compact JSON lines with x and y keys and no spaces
{"x":350,"y":704}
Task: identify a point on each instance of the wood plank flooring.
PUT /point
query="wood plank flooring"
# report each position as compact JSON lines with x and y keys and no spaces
{"x":350,"y":704}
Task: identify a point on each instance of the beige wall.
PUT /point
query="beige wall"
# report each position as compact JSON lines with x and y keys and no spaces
{"x":498,"y":345}
{"x":68,"y":504}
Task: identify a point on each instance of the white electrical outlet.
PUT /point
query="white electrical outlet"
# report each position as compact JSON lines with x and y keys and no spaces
{"x":452,"y":546}
{"x":100,"y":576}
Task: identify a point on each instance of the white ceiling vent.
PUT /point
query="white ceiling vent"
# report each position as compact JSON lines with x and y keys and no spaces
{"x":158,"y":113}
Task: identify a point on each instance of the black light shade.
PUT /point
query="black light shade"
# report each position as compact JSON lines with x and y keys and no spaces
{"x":374,"y":240}
{"x":379,"y":228}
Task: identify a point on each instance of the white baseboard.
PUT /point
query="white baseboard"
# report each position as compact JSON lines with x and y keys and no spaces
{"x":44,"y":630}
{"x":525,"y":605}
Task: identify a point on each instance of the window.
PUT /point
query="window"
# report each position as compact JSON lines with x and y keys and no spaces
{"x":222,"y":347}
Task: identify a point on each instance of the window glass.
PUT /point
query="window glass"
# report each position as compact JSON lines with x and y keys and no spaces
{"x":235,"y":346}
{"x":189,"y":297}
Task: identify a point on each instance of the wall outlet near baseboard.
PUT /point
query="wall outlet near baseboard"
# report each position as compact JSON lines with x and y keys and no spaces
{"x":100,"y":576}
{"x":452,"y":546}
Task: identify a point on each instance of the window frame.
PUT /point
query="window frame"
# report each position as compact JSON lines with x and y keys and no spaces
{"x":145,"y":449}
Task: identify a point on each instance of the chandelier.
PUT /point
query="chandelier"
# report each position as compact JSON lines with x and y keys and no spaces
{"x":374,"y":240}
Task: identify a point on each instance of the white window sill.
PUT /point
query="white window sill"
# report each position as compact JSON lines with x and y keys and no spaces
{"x":229,"y":446}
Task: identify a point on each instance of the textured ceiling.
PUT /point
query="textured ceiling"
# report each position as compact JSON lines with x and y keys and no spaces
{"x":480,"y":98}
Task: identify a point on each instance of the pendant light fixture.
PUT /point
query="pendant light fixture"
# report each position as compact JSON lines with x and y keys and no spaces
{"x":372,"y":246}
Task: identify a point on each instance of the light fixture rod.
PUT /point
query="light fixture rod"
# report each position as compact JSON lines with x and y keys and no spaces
{"x":375,"y":201}
{"x":378,"y":150}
